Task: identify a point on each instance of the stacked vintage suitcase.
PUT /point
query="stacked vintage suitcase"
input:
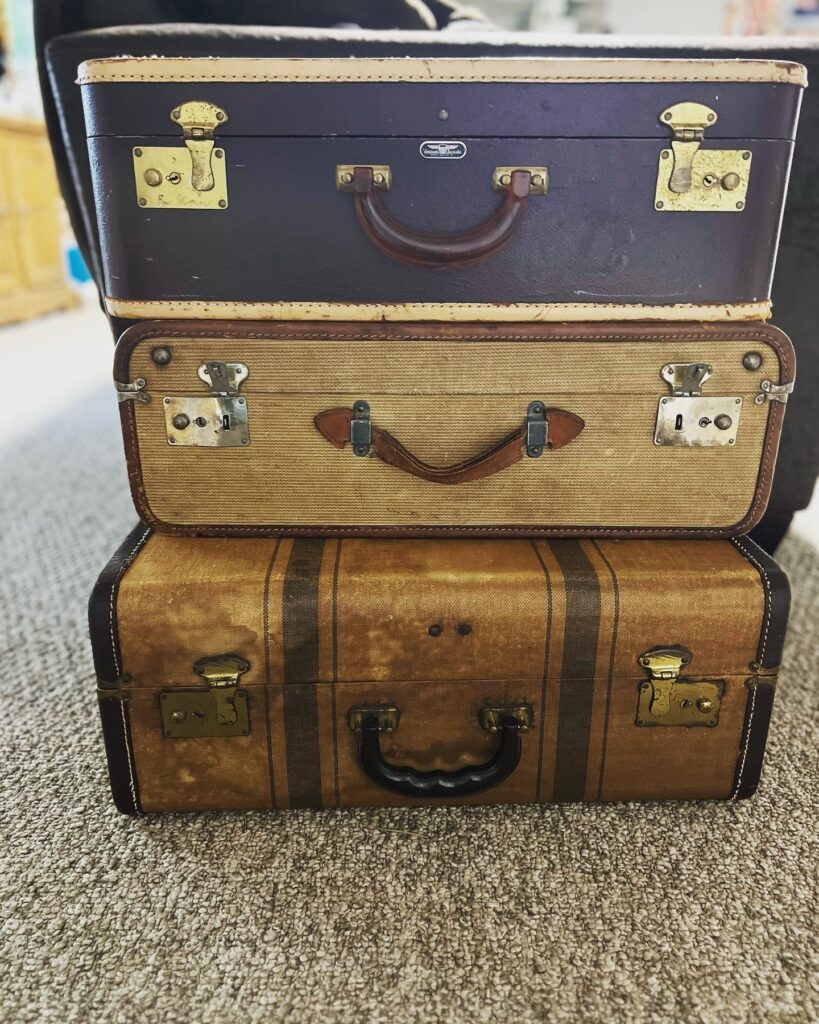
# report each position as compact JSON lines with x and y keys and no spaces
{"x":441,"y":516}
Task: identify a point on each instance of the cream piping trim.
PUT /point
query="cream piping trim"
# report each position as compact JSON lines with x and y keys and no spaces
{"x":446,"y":311}
{"x":435,"y":69}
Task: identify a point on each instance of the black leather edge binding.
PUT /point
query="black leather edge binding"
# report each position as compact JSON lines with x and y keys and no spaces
{"x":102,"y":622}
{"x":762,"y":684}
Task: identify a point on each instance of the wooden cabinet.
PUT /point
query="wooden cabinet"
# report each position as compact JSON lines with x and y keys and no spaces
{"x":32,"y":273}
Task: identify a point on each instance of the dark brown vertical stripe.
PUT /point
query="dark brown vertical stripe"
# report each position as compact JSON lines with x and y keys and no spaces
{"x":547,"y":646}
{"x":335,"y":668}
{"x":610,"y":682}
{"x":578,"y":669}
{"x":267,"y":681}
{"x":301,"y":670}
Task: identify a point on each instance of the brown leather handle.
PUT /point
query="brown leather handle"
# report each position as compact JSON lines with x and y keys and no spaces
{"x":562,"y":427}
{"x":430,"y":250}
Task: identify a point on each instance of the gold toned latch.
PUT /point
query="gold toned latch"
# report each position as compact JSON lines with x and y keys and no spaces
{"x":693,"y":179}
{"x":195,"y":176}
{"x":665,"y":699}
{"x":219,"y":710}
{"x":199,"y":121}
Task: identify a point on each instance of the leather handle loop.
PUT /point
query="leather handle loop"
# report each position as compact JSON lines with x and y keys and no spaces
{"x":431,"y":250}
{"x":408,"y":781}
{"x":562,"y":427}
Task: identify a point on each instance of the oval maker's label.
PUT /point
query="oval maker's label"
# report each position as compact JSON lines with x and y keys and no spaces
{"x":433,"y":149}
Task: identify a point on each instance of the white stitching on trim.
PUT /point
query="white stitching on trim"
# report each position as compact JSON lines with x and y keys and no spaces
{"x":129,"y":757}
{"x":768,"y":597}
{"x":741,"y":772}
{"x":128,"y":559}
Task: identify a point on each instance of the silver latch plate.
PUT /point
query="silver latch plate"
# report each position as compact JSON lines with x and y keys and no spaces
{"x":206,"y":421}
{"x":697,"y":422}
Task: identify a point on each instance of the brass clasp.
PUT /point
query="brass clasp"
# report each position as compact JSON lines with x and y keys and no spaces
{"x":665,"y":699}
{"x":218,"y":710}
{"x":199,"y":121}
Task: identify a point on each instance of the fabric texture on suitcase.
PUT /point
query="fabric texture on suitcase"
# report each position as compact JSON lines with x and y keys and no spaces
{"x":438,"y":630}
{"x":610,"y":207}
{"x":449,"y":396}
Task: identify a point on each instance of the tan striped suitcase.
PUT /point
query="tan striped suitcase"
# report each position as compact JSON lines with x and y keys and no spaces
{"x":465,"y":429}
{"x":306,"y":672}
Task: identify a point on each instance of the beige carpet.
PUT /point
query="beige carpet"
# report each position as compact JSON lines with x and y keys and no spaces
{"x":678,"y":913}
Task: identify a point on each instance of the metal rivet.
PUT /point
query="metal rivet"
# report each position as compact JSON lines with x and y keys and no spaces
{"x":171,"y":440}
{"x":740,"y":206}
{"x":752,"y":360}
{"x":152,"y":177}
{"x":435,"y":630}
{"x":664,"y":155}
{"x":180,"y":421}
{"x":178,"y":716}
{"x":176,"y":115}
{"x":723,"y":422}
{"x":667,"y":115}
{"x":730,"y":182}
{"x":219,"y":153}
{"x":705,"y":705}
{"x":746,"y":155}
{"x":464,"y":629}
{"x":161,"y":355}
{"x":658,"y":206}
{"x":347,"y":178}
{"x":378,"y":179}
{"x":537,"y":179}
{"x":143,"y":202}
{"x":505,"y":179}
{"x":220,"y":115}
{"x":137,"y":152}
{"x":222,"y":203}
{"x":443,"y":115}
{"x":711,"y":117}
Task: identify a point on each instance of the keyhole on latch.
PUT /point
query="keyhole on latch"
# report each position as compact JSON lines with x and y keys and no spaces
{"x":226,"y":421}
{"x":678,"y":422}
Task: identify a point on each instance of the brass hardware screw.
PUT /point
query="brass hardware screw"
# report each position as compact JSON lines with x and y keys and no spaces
{"x":740,"y":205}
{"x":176,"y":115}
{"x":137,"y":152}
{"x":705,"y":705}
{"x":161,"y":355}
{"x":378,"y":179}
{"x":746,"y":155}
{"x":506,"y":179}
{"x":219,"y":115}
{"x":222,"y":203}
{"x":667,"y":115}
{"x":537,"y":180}
{"x":143,"y":202}
{"x":664,"y":155}
{"x":752,"y":360}
{"x":219,"y":153}
{"x":659,"y":206}
{"x":711,"y":117}
{"x":347,"y":178}
{"x":152,"y":177}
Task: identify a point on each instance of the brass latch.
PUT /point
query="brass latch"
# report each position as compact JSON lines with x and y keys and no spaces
{"x":218,"y":420}
{"x":693,"y":179}
{"x":220,"y":709}
{"x":665,"y":699}
{"x":687,"y":419}
{"x":172,"y":177}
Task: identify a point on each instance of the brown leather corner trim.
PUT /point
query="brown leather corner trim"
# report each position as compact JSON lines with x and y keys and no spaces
{"x":304,"y":331}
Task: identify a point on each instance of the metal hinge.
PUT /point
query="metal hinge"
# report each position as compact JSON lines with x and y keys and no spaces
{"x":218,"y":710}
{"x":690,"y":178}
{"x":361,"y":431}
{"x":774,"y":392}
{"x":172,"y":177}
{"x":133,"y":392}
{"x":665,"y":699}
{"x":537,"y":430}
{"x":689,"y":420}
{"x":218,"y":420}
{"x":115,"y":690}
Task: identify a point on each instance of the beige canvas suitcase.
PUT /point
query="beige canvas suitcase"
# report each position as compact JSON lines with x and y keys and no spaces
{"x":462,"y":429}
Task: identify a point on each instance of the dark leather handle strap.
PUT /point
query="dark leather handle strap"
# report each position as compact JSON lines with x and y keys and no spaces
{"x":563,"y":427}
{"x":430,"y":250}
{"x":409,"y":781}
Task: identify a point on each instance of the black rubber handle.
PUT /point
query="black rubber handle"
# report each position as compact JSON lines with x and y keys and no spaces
{"x":409,"y":781}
